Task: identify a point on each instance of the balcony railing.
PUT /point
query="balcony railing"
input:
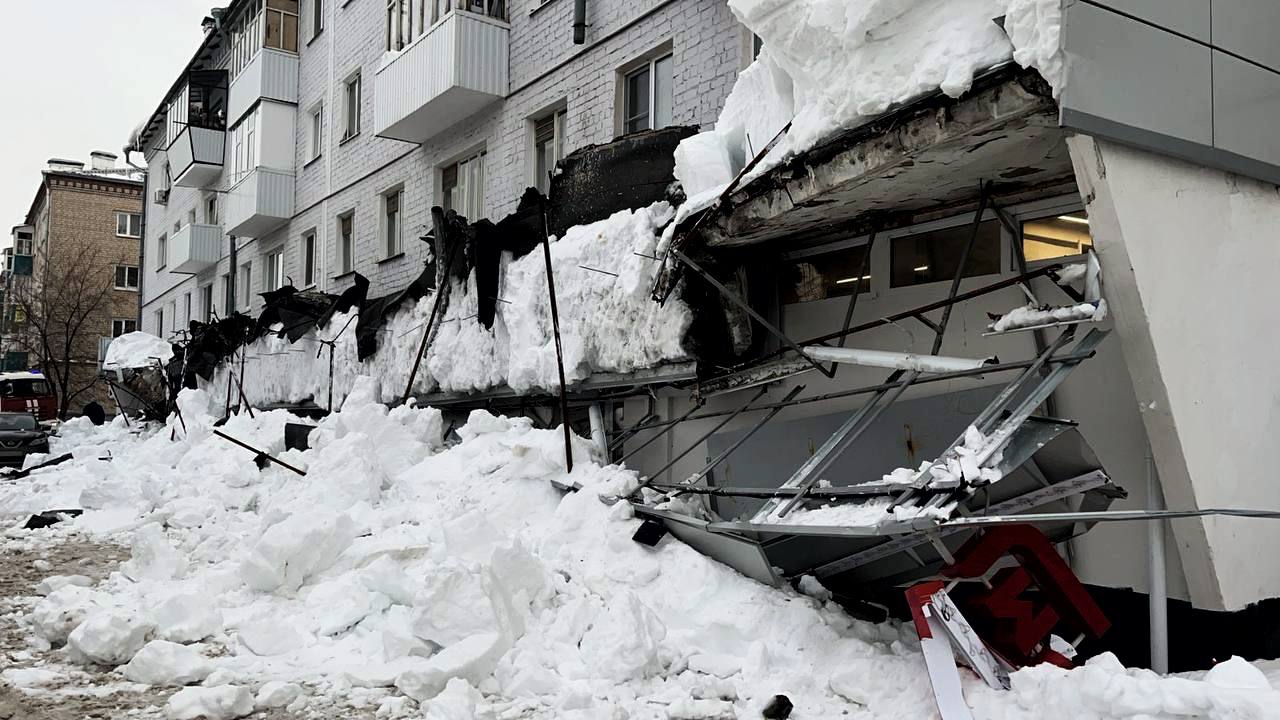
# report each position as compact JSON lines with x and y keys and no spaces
{"x":271,"y":74}
{"x":453,"y":70}
{"x":195,"y":248}
{"x":259,"y":203}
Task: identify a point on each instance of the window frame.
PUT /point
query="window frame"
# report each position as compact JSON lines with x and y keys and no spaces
{"x":244,"y":283}
{"x":123,"y":324}
{"x":158,"y":316}
{"x":132,"y":225}
{"x":317,"y":19}
{"x":351,"y":102}
{"x":307,"y":251}
{"x":137,"y":277}
{"x":389,"y":226}
{"x":558,"y":117}
{"x":346,"y":245}
{"x":162,"y":252}
{"x":206,"y":302}
{"x":273,"y":269}
{"x":315,"y":145}
{"x":471,"y":203}
{"x":647,"y":65}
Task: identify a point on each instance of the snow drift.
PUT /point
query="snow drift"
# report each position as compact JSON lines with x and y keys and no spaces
{"x":454,"y":581}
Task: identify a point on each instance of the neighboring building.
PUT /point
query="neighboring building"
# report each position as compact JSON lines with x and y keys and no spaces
{"x":74,"y":281}
{"x":319,"y":133}
{"x":17,"y":270}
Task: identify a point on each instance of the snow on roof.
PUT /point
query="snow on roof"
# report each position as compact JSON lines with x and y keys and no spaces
{"x":825,"y":67}
{"x":136,"y":350}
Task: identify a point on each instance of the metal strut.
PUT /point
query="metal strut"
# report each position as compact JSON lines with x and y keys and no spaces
{"x":555,"y":329}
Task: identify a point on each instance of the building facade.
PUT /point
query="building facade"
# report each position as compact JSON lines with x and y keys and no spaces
{"x":72,"y":279}
{"x":318,"y":134}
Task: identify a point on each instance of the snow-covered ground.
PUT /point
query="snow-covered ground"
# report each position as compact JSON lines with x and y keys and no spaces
{"x":451,"y":580}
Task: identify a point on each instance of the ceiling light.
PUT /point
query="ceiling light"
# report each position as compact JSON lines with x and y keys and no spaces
{"x":1072,"y":219}
{"x":848,"y":280}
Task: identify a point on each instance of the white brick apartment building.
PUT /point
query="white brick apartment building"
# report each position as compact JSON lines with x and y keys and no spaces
{"x":294,"y":130}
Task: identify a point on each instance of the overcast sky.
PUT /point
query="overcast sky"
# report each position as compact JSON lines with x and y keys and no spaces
{"x":79,"y":75}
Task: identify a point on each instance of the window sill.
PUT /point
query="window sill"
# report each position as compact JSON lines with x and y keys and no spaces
{"x":540,"y":6}
{"x":348,"y":138}
{"x":391,"y":258}
{"x":311,"y":162}
{"x":343,"y":276}
{"x":125,"y":289}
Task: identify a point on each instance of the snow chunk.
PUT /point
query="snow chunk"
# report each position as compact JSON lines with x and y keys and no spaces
{"x":57,"y":582}
{"x":187,"y":618}
{"x":1033,"y":315}
{"x":472,"y":659}
{"x":109,"y":637}
{"x":137,"y":350}
{"x":153,"y":557}
{"x":1238,"y":673}
{"x":30,"y":677}
{"x":276,"y":694}
{"x":165,"y":663}
{"x":55,"y":616}
{"x":216,"y":703}
{"x":296,"y":548}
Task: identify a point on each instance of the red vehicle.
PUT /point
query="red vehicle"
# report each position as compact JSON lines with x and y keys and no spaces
{"x":28,"y":392}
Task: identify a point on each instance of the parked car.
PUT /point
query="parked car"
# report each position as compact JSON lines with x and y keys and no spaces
{"x":20,"y":434}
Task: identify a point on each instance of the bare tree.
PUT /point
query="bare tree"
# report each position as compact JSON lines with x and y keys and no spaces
{"x":67,"y":304}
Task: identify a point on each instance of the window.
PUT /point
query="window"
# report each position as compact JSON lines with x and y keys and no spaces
{"x":162,"y":254}
{"x":226,"y":294}
{"x":173,"y":314}
{"x":1056,"y":236}
{"x":351,"y":126}
{"x":317,"y":17}
{"x":177,"y":226}
{"x":462,"y":187}
{"x":23,"y":246}
{"x":309,"y":259}
{"x":282,"y":25}
{"x":317,"y":132}
{"x":126,"y":277}
{"x":206,"y":303}
{"x":191,"y":216}
{"x":826,"y":275}
{"x":346,"y":241}
{"x":123,"y":326}
{"x":246,"y":37}
{"x":244,"y":151}
{"x":246,"y":276}
{"x":186,"y":308}
{"x":548,"y":148}
{"x":392,"y":225}
{"x":127,"y":225}
{"x":211,"y":210}
{"x":646,"y":96}
{"x":273,"y":274}
{"x":934,"y":256}
{"x":407,"y":20}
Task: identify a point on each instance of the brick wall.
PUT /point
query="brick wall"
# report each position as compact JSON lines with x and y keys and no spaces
{"x":546,"y":70}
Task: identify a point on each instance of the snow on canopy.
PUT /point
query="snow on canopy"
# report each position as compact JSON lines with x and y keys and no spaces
{"x":137,"y":350}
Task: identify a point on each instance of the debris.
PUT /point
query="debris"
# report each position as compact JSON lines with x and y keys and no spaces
{"x":51,"y":517}
{"x":212,"y":703}
{"x":779,"y":708}
{"x":261,"y":457}
{"x":650,"y":533}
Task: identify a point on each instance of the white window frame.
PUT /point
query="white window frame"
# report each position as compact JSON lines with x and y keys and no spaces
{"x":244,"y":285}
{"x":346,"y":244}
{"x":316,"y":132}
{"x":25,"y":245}
{"x":273,"y":270}
{"x":226,"y":294}
{"x":186,"y":307}
{"x":351,"y":101}
{"x":537,"y":178}
{"x":132,"y":225}
{"x":244,"y":151}
{"x":120,"y":326}
{"x":469,"y":173}
{"x":317,"y":18}
{"x":405,"y":22}
{"x":211,"y":209}
{"x":651,"y":66}
{"x":206,"y":302}
{"x":283,"y":19}
{"x":162,"y":252}
{"x":307,"y":252}
{"x":158,"y":317}
{"x":126,"y":285}
{"x":391,"y":229}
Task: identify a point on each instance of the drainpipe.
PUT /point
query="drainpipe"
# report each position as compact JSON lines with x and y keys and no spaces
{"x":579,"y":22}
{"x":142,"y":241}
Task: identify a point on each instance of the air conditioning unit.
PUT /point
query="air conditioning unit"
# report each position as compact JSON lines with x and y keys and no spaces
{"x":162,"y":197}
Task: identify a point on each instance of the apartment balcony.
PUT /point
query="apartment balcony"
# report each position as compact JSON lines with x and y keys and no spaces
{"x":272,"y":74}
{"x":259,"y":202}
{"x":195,"y":248}
{"x":196,"y":156}
{"x":456,"y":68}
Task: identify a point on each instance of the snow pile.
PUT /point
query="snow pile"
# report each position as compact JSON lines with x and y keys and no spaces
{"x":1037,"y":315}
{"x":456,"y":582}
{"x":137,"y":350}
{"x":607,"y":324}
{"x":827,"y":65}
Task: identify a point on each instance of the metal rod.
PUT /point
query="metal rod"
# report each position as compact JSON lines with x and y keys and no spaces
{"x":746,"y":307}
{"x":724,"y":455}
{"x":244,"y":398}
{"x":555,"y":329}
{"x":1112,"y":516}
{"x":598,"y":437}
{"x":669,"y":425}
{"x":1158,"y":595}
{"x":869,"y":414}
{"x":853,"y":299}
{"x":441,"y":292}
{"x":895,"y":360}
{"x":626,"y":434}
{"x":1003,"y":367}
{"x":259,"y":453}
{"x":1020,"y":257}
{"x":983,"y":199}
{"x":696,"y":443}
